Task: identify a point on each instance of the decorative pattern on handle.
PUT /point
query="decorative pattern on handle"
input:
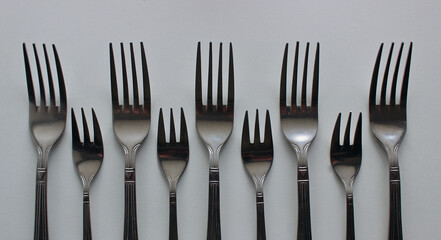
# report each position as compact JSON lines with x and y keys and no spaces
{"x":261,"y":233}
{"x":130,"y":222}
{"x":350,"y":230}
{"x":304,"y":225}
{"x":214,"y":227}
{"x":87,"y":229}
{"x":173,"y":231}
{"x":41,"y":229}
{"x":395,"y":227}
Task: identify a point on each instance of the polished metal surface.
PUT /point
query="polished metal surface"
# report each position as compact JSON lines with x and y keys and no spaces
{"x":214,"y":123}
{"x":87,"y":156}
{"x":299,"y":124}
{"x":131,"y":124}
{"x":388,"y":124}
{"x":346,"y":161}
{"x":173,"y":159}
{"x":47,"y":123}
{"x":257,"y":158}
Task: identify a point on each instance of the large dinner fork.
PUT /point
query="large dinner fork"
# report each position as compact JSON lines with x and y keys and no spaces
{"x":257,"y":158}
{"x":214,"y":124}
{"x":299,"y":125}
{"x":47,"y":125}
{"x":388,"y":123}
{"x":131,"y":124}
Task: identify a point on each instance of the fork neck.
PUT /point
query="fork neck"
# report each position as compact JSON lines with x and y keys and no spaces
{"x":302,"y":153}
{"x":392,"y":155}
{"x":214,"y":157}
{"x":130,"y":154}
{"x":43,"y":156}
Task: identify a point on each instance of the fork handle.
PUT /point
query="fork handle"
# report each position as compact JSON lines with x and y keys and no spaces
{"x":261,"y":234}
{"x":350,"y":231}
{"x":173,"y":231}
{"x":304,"y":224}
{"x":130,"y":222}
{"x":214,"y":228}
{"x":87,"y":229}
{"x":40,"y":228}
{"x":395,"y":228}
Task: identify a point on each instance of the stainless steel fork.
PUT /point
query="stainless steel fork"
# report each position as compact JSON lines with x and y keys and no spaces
{"x":299,"y":124}
{"x":214,"y":124}
{"x":388,"y":124}
{"x":87,"y":156}
{"x":131,"y":124}
{"x":257,"y":158}
{"x":346,"y":162}
{"x":173,"y":158}
{"x":47,"y":125}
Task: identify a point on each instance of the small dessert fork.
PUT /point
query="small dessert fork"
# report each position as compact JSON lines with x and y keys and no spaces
{"x":346,"y":161}
{"x":173,"y":158}
{"x":257,"y":158}
{"x":47,"y":125}
{"x":87,"y":157}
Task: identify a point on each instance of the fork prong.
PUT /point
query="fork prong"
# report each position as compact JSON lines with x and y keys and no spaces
{"x":404,"y":86}
{"x":219,"y":81}
{"x":161,"y":128}
{"x":198,"y":79}
{"x":393,"y":90}
{"x":305,"y":76}
{"x":268,"y":137}
{"x":374,"y":81}
{"x":31,"y":93}
{"x":85,"y":128}
{"x":76,"y":141}
{"x":245,"y":132}
{"x":210,"y":78}
{"x":61,"y":84}
{"x":183,"y":134}
{"x":97,"y":136}
{"x":114,"y":85}
{"x":346,"y":141}
{"x":125,"y":81}
{"x":145,"y":80}
{"x":230,"y":106}
{"x":315,"y":81}
{"x":357,"y":135}
{"x":172,"y":128}
{"x":385,"y":77}
{"x":295,"y":77}
{"x":49,"y":78}
{"x":257,"y":129}
{"x":283,"y":79}
{"x":135,"y":79}
{"x":335,"y":141}
{"x":40,"y":79}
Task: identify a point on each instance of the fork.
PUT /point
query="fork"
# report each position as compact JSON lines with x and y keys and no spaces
{"x":257,"y":158}
{"x":388,"y":124}
{"x":87,"y":157}
{"x":173,"y":158}
{"x":214,"y":124}
{"x":47,"y":125}
{"x":131,"y":124}
{"x":346,"y":162}
{"x":299,"y":124}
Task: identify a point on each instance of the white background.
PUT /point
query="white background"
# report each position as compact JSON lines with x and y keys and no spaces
{"x":350,"y":33}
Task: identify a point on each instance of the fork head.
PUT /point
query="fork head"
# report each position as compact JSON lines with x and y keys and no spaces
{"x":47,"y":122}
{"x":214,"y":122}
{"x":173,"y":155}
{"x":299,"y":121}
{"x":131,"y":122}
{"x":388,"y":121}
{"x":87,"y":155}
{"x":257,"y":156}
{"x":346,"y":158}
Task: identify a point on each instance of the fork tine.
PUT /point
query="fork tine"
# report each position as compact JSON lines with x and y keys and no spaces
{"x":61,"y":84}
{"x":40,"y":79}
{"x":283,"y":79}
{"x":315,"y":81}
{"x":114,"y":86}
{"x":305,"y":76}
{"x":161,"y":128}
{"x":219,"y":81}
{"x":374,"y":81}
{"x":268,"y":137}
{"x":97,"y":136}
{"x":145,"y":80}
{"x":230,"y":105}
{"x":85,"y":128}
{"x":245,"y":132}
{"x":135,"y":79}
{"x":346,"y":141}
{"x":294,"y":78}
{"x":386,"y":74}
{"x":257,"y":129}
{"x":335,"y":142}
{"x":172,"y":128}
{"x":357,"y":135}
{"x":395,"y":77}
{"x":210,"y":79}
{"x":31,"y":93}
{"x":76,"y":141}
{"x":184,"y":134}
{"x":49,"y":77}
{"x":125,"y":81}
{"x":403,"y":97}
{"x":198,"y":79}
